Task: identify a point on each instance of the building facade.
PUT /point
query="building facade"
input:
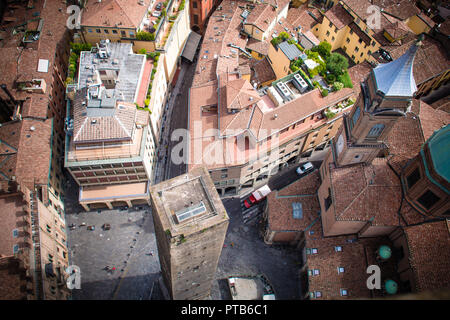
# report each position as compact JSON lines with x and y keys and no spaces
{"x":190,"y":226}
{"x":32,"y":124}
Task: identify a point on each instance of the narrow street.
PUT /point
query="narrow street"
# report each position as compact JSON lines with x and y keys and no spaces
{"x":175,"y":117}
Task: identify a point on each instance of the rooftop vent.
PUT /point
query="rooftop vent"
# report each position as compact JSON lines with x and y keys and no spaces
{"x":93,"y":121}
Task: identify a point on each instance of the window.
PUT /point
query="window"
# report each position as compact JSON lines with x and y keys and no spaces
{"x":344,"y":292}
{"x":413,"y":178}
{"x":375,"y":131}
{"x":332,"y":38}
{"x":338,"y":248}
{"x":360,"y":40}
{"x":114,"y":31}
{"x":106,"y":31}
{"x":373,"y":43}
{"x":297,"y":211}
{"x":315,"y":294}
{"x":49,"y":229}
{"x":195,"y":19}
{"x":314,"y":251}
{"x":328,"y":200}
{"x":224,"y":176}
{"x":15,"y":233}
{"x":98,"y":31}
{"x":353,"y":57}
{"x":428,"y":199}
{"x":355,"y":117}
{"x":348,"y":40}
{"x":356,"y":49}
{"x":194,"y":4}
{"x":328,"y":33}
{"x":131,"y":34}
{"x":335,"y":30}
{"x":90,"y":30}
{"x":340,"y":270}
{"x":123,"y":33}
{"x":50,"y":258}
{"x":315,"y":272}
{"x":330,"y":25}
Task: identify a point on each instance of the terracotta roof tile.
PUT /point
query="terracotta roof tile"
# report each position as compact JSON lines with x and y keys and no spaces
{"x":302,"y":17}
{"x":280,"y":204}
{"x":429,"y":246}
{"x":339,"y":16}
{"x":262,"y":72}
{"x":261,"y":47}
{"x":402,"y":9}
{"x":108,"y":13}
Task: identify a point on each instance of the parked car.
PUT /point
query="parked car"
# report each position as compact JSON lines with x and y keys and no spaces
{"x":159,"y":6}
{"x":305,"y":168}
{"x":257,"y":196}
{"x":156,"y":13}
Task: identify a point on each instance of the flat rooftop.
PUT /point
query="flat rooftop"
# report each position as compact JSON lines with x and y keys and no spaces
{"x":188,"y":201}
{"x":117,"y":191}
{"x":121,"y":58}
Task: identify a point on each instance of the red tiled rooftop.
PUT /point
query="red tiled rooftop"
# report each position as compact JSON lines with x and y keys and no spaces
{"x":429,"y":246}
{"x":280,"y":204}
{"x":108,"y":13}
{"x":339,"y":16}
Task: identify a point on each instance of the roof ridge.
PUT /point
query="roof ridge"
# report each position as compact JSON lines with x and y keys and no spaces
{"x":122,"y":125}
{"x":81,"y":129}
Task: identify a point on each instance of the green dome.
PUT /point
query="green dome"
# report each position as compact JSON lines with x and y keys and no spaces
{"x":391,"y":286}
{"x":385,"y":252}
{"x":439,"y":145}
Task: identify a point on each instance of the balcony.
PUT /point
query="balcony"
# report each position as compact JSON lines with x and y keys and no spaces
{"x":33,"y":86}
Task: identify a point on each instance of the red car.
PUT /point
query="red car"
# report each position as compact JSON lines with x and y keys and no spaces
{"x":250,"y":201}
{"x":257,"y":196}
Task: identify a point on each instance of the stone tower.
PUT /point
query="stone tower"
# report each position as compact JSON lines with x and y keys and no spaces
{"x":386,"y":95}
{"x":190,"y":226}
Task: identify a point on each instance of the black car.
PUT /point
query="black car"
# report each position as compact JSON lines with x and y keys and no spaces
{"x":159,"y":6}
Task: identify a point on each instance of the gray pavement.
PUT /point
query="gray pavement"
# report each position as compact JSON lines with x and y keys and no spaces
{"x":129,"y":246}
{"x":245,"y":253}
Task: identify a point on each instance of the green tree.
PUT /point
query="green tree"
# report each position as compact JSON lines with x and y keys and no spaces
{"x":324,"y":49}
{"x":145,"y":36}
{"x":337,"y":64}
{"x":338,"y":86}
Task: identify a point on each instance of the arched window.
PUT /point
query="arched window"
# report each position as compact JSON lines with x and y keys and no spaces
{"x":376,"y":131}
